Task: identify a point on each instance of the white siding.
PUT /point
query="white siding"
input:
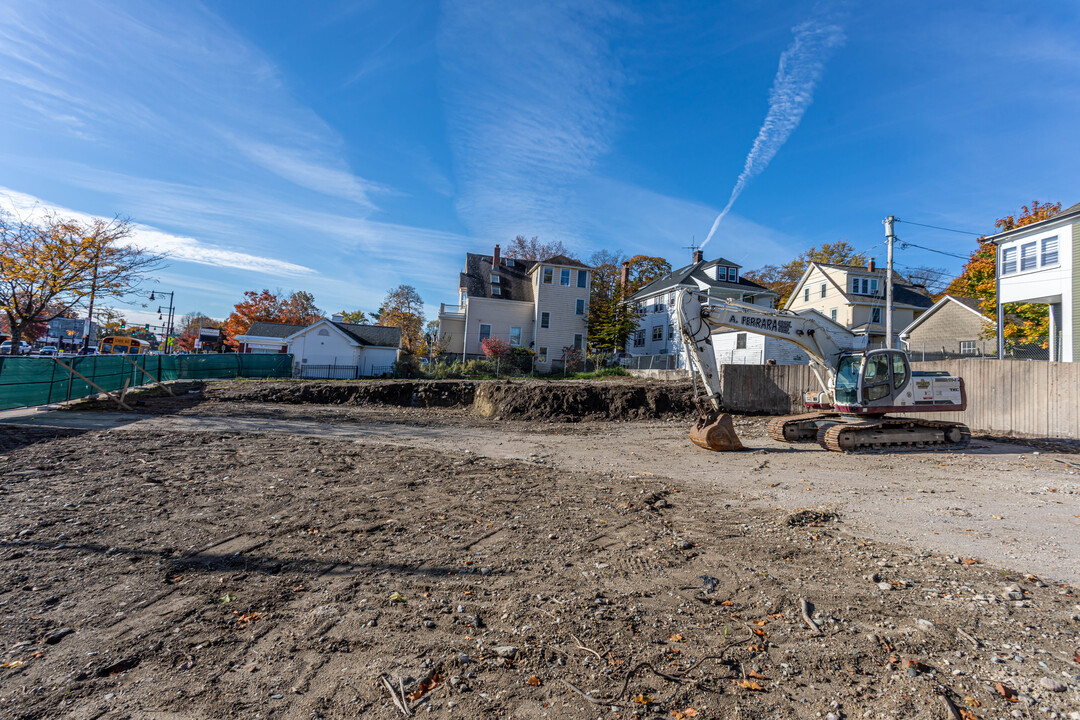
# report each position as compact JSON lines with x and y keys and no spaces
{"x":312,"y":348}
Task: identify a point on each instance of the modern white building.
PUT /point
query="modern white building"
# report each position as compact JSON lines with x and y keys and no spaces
{"x":539,"y":305}
{"x":1038,"y":263}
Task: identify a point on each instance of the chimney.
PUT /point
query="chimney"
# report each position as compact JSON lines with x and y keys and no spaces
{"x":870,"y":265}
{"x":698,"y":254}
{"x":624,"y":278}
{"x":495,"y":259}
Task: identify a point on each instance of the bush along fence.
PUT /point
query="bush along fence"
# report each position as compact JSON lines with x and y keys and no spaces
{"x":25,"y":382}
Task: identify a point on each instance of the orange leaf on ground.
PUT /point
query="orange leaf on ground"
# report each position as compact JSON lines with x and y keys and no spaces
{"x":759,"y":631}
{"x":750,"y":685}
{"x":966,"y":714}
{"x":972,"y":702}
{"x":970,"y":561}
{"x":728,"y":603}
{"x":675,"y":637}
{"x":643,"y":700}
{"x":757,"y":676}
{"x":425,"y":686}
{"x":534,"y":681}
{"x":761,"y":623}
{"x":1006,"y":692}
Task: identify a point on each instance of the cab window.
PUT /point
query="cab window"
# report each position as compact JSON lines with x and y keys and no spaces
{"x":847,"y":380}
{"x":876,"y":378}
{"x":899,"y":371}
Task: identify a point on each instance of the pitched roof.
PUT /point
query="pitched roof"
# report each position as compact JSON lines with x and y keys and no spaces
{"x":514,"y":283}
{"x":272,"y":330}
{"x":685,"y":276}
{"x":968,"y":303}
{"x":379,"y":335}
{"x":905,"y":292}
{"x":563,"y":260}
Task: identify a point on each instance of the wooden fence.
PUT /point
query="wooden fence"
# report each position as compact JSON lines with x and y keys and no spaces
{"x":1010,"y":397}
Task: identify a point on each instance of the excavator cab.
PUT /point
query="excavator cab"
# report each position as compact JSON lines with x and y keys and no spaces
{"x":872,"y":379}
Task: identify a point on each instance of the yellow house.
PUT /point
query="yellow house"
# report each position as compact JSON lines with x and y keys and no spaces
{"x":854,"y":296}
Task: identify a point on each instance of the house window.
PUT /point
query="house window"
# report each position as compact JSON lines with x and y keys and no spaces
{"x":1008,"y":261}
{"x":639,"y":338}
{"x":494,"y":279}
{"x":509,"y":262}
{"x":1027,"y":256}
{"x":485,"y":331}
{"x":515,"y":336}
{"x":579,"y":341}
{"x":324,"y":332}
{"x":967,"y":347}
{"x":580,"y":306}
{"x":1049,"y":251}
{"x":548,"y":272}
{"x":875,"y":315}
{"x":496,"y":291}
{"x":721,"y":272}
{"x":641,"y":308}
{"x":564,"y":277}
{"x":671,"y":332}
{"x":823,"y":286}
{"x":732,"y":275}
{"x":545,"y":319}
{"x":832,"y":314}
{"x":671,"y":299}
{"x":855,"y":285}
{"x":541,"y":355}
{"x":806,"y":294}
{"x":658,"y":333}
{"x":582,"y":278}
{"x":740,"y":341}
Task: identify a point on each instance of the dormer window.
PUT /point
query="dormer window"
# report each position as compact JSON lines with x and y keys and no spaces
{"x":494,"y":279}
{"x":496,"y":291}
{"x":864,"y":286}
{"x":733,"y":275}
{"x":509,"y":262}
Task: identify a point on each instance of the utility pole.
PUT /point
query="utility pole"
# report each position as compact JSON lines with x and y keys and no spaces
{"x":888,"y":222}
{"x":90,"y":312}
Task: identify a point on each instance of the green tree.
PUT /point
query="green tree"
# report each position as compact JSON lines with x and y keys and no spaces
{"x":358,"y":317}
{"x":782,"y":279}
{"x":1024,"y":322}
{"x":611,"y":321}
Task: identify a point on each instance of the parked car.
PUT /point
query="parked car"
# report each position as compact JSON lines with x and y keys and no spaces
{"x":48,"y":351}
{"x":88,"y":351}
{"x":24,"y":348}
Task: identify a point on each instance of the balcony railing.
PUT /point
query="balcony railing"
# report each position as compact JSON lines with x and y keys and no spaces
{"x":445,"y":309}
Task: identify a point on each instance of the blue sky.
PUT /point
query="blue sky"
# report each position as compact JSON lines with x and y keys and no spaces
{"x":346,"y":147}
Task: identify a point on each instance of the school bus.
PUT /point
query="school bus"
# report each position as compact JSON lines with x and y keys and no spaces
{"x":122,"y":345}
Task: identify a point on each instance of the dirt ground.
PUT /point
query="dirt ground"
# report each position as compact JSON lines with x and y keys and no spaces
{"x":232,"y":554}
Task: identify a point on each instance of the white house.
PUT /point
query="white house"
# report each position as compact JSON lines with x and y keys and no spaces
{"x":657,"y":330}
{"x":1040,"y":263}
{"x":541,"y":305}
{"x":266,"y":338}
{"x":336,"y":349}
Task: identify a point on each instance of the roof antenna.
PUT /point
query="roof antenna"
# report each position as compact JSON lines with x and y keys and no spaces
{"x":693,"y":247}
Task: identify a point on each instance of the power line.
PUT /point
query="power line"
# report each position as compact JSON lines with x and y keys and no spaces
{"x":935,"y":227}
{"x":904,"y":244}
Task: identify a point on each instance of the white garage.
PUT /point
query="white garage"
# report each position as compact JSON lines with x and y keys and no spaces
{"x":339,"y":350}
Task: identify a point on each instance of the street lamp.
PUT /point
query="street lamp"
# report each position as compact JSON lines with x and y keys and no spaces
{"x":169,"y":323}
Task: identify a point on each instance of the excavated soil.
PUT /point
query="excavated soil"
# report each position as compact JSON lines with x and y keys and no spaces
{"x":570,"y":401}
{"x":169,"y":573}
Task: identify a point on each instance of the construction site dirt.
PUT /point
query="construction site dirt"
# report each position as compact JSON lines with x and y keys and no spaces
{"x":331,"y":550}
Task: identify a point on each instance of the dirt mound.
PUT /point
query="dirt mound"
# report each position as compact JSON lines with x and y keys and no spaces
{"x":571,"y":402}
{"x":544,"y":401}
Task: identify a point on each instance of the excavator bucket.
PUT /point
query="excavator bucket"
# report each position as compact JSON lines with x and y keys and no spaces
{"x":717,"y":435}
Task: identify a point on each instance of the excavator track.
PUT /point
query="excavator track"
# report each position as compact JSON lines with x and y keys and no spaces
{"x":797,"y":428}
{"x":893,"y":433}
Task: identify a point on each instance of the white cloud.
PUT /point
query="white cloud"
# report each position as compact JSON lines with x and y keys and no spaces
{"x":175,"y":247}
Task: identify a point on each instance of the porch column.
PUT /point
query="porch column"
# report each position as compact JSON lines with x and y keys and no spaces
{"x":1055,"y":321}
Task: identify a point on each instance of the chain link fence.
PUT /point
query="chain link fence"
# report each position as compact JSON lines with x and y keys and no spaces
{"x":1035,"y":347}
{"x":26,"y":381}
{"x":650,"y":362}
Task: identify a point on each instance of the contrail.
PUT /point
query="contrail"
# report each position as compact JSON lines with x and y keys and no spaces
{"x":801,"y":67}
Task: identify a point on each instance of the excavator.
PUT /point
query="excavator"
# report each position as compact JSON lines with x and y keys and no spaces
{"x":861,"y":389}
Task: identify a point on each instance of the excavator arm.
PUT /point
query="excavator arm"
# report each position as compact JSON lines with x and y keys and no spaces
{"x":700,"y":316}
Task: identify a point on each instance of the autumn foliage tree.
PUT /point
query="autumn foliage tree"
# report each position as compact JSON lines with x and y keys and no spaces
{"x":611,"y":321}
{"x":189,"y":329}
{"x":50,"y":265}
{"x":403,"y":308}
{"x":1024,"y":322}
{"x":782,"y":279}
{"x":297,"y":308}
